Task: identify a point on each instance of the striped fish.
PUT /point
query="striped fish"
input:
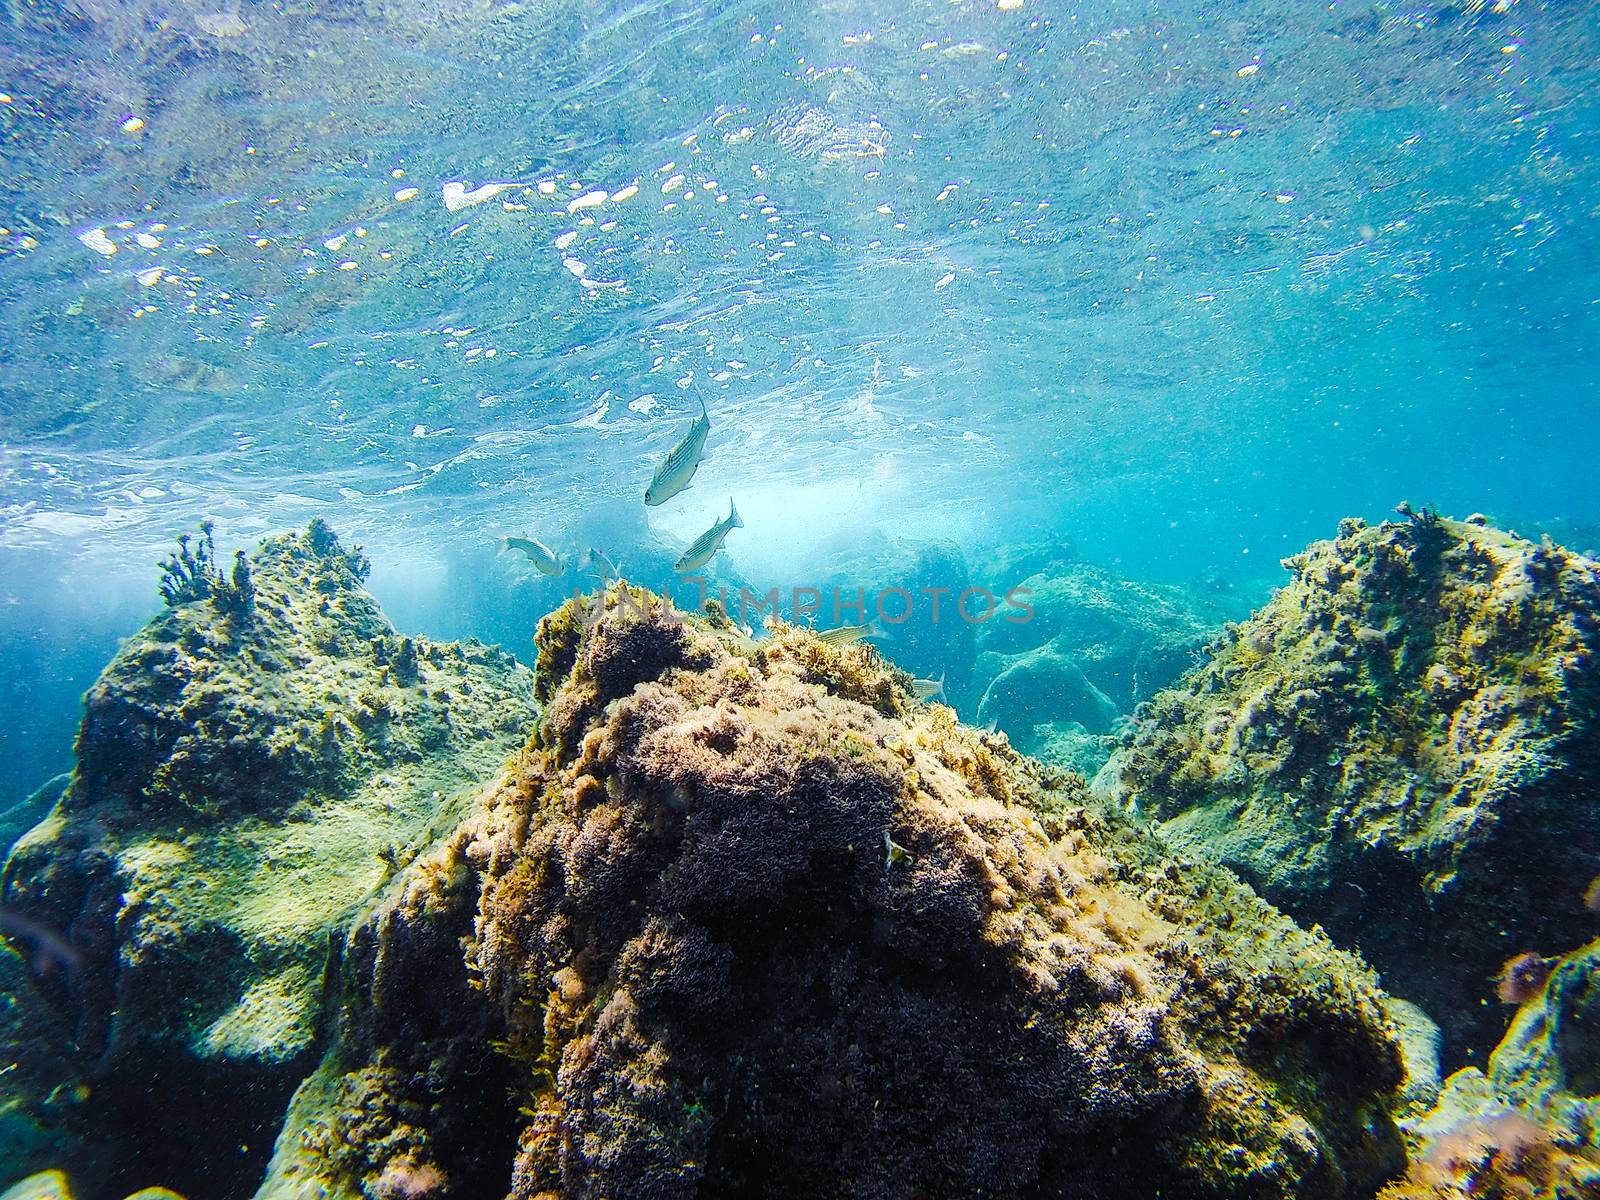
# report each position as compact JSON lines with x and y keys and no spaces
{"x":545,"y":559}
{"x":708,"y":543}
{"x":678,"y":467}
{"x":601,"y":567}
{"x":847,"y":635}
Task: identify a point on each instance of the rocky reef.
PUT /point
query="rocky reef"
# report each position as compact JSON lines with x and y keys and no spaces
{"x":1029,"y":639}
{"x":251,"y":766}
{"x":1526,"y":1126}
{"x":685,"y":913}
{"x":1403,"y":746}
{"x":1063,"y":683}
{"x":744,"y":918}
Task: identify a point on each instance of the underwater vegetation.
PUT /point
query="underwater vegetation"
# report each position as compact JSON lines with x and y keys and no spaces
{"x":1403,"y":746}
{"x":245,"y":777}
{"x":684,"y":912}
{"x":191,"y":574}
{"x":746,"y":918}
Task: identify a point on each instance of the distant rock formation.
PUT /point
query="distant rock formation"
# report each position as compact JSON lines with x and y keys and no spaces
{"x":746,"y":919}
{"x":1404,"y":746}
{"x":1093,"y":647}
{"x":251,"y":766}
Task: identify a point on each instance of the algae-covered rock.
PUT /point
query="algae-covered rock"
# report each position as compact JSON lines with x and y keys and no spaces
{"x":1403,"y":745}
{"x":251,"y":766}
{"x":54,"y":1184}
{"x":1548,"y":1064}
{"x":1530,"y":1124}
{"x":24,"y":815}
{"x":40,"y":1089}
{"x":44,"y":1185}
{"x":1092,"y":646}
{"x":746,"y":919}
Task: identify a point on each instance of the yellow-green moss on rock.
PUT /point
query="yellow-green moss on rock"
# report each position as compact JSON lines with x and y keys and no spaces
{"x":748,"y":919}
{"x":1403,"y":746}
{"x":246,"y":779}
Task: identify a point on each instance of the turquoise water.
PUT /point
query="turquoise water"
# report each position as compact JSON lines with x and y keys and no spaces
{"x":1182,"y":285}
{"x":1179,"y":286}
{"x":1144,"y":296}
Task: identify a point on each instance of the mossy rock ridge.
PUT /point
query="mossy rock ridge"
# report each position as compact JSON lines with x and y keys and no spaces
{"x":745,"y":918}
{"x":249,"y":773}
{"x":1404,"y":746}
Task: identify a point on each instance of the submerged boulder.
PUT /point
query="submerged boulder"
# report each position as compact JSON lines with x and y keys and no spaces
{"x":1404,"y":745}
{"x":251,"y":767}
{"x":1092,"y":646}
{"x":23,"y":816}
{"x":1527,"y":1125}
{"x":747,"y":919}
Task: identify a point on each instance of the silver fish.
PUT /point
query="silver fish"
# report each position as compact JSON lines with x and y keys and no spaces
{"x":708,"y":543}
{"x":927,"y":689}
{"x":50,"y":949}
{"x":846,"y":635}
{"x":546,"y":560}
{"x":678,"y":468}
{"x":601,"y":567}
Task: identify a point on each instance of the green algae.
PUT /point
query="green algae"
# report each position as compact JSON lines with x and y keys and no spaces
{"x":672,"y":928}
{"x":1411,"y":718}
{"x":242,"y":789}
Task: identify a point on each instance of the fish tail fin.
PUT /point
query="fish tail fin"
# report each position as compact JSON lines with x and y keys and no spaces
{"x":735,"y":521}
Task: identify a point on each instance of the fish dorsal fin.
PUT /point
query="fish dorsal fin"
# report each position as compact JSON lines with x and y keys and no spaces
{"x":680,"y":453}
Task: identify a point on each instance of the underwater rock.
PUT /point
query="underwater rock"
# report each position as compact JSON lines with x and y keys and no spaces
{"x":24,"y":815}
{"x":1046,"y":681}
{"x":746,"y":919}
{"x":1527,"y":1126}
{"x":1548,"y":1064}
{"x":40,"y":1092}
{"x":1420,"y":1043}
{"x":247,"y":775}
{"x":54,"y":1185}
{"x":1402,"y":746}
{"x":1093,"y":646}
{"x":45,"y":1185}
